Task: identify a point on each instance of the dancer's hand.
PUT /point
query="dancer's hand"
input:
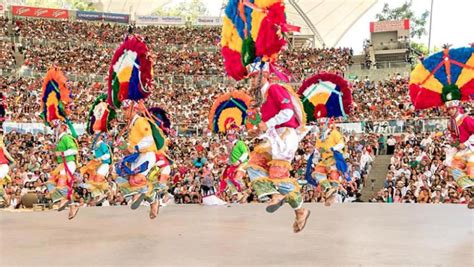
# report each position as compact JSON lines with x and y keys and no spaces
{"x":462,"y":146}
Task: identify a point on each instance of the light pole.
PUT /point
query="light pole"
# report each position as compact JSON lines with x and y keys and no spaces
{"x":429,"y":33}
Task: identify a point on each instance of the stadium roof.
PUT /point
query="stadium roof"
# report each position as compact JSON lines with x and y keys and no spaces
{"x":331,"y":18}
{"x":131,"y":6}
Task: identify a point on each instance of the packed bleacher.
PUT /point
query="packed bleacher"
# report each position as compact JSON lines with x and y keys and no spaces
{"x":86,"y":49}
{"x":416,"y":173}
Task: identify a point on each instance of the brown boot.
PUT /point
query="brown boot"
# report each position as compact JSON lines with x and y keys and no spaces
{"x":276,"y":202}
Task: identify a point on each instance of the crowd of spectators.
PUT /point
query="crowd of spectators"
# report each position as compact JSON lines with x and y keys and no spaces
{"x":189,"y":104}
{"x":86,"y":49}
{"x":198,"y":159}
{"x":416,"y":173}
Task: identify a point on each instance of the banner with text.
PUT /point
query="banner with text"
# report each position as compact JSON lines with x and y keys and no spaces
{"x":389,"y":25}
{"x":159,"y":20}
{"x":208,"y":21}
{"x":39,"y":12}
{"x":100,"y":16}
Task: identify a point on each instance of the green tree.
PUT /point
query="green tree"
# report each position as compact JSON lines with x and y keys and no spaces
{"x":187,"y":9}
{"x":417,"y":23}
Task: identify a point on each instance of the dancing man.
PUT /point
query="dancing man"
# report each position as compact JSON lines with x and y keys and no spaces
{"x":98,"y":169}
{"x":282,"y":127}
{"x":461,"y":127}
{"x":62,"y":178}
{"x":134,"y":168}
{"x":327,"y":157}
{"x":232,"y":178}
{"x":5,"y":161}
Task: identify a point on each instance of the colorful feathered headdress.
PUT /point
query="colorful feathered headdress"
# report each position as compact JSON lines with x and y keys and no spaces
{"x":325,"y":95}
{"x":230,"y":107}
{"x":100,"y":115}
{"x":446,"y":77}
{"x":55,"y":99}
{"x":130,"y":73}
{"x":252,"y":31}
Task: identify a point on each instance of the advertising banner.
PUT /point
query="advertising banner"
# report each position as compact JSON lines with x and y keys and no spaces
{"x":390,"y":25}
{"x":88,"y":15}
{"x":159,"y":20}
{"x":116,"y":17}
{"x":39,"y":12}
{"x":208,"y":21}
{"x":100,"y":16}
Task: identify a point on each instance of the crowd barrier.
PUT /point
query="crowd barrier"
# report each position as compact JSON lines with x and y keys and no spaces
{"x":385,"y":127}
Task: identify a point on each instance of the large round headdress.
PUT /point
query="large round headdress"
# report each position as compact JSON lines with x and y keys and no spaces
{"x":446,"y":77}
{"x":325,"y":95}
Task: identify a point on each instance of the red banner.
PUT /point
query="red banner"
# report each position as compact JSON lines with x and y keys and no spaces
{"x":40,"y":12}
{"x":389,"y":25}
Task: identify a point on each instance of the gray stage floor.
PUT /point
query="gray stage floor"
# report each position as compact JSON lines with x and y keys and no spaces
{"x":342,"y":235}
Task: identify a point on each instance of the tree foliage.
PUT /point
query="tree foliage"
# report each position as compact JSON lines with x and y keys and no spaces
{"x":186,"y":9}
{"x":405,"y":11}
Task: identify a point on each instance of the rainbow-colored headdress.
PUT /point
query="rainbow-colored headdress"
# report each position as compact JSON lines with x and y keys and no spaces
{"x":100,"y":115}
{"x":230,"y":107}
{"x":55,"y":99}
{"x":252,"y":32}
{"x":325,"y":95}
{"x":130,"y":73}
{"x":446,"y":77}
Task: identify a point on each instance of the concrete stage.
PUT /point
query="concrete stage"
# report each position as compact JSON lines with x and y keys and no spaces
{"x":245,"y":235}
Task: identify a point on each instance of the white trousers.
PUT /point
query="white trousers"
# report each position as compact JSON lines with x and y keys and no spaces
{"x":144,"y":157}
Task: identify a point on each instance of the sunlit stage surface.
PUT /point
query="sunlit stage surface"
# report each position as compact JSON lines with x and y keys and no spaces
{"x":342,"y":235}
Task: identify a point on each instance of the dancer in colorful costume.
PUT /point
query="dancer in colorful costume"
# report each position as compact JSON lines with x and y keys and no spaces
{"x":252,"y":37}
{"x":447,"y":77}
{"x":55,"y":101}
{"x":5,"y":161}
{"x":232,"y":178}
{"x":228,"y":114}
{"x":326,"y":96}
{"x":98,"y":123}
{"x":130,"y":82}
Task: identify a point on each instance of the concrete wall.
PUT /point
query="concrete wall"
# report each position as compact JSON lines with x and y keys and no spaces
{"x":377,"y":74}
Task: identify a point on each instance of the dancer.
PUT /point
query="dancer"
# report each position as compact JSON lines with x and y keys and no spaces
{"x":328,"y":151}
{"x":445,"y":78}
{"x":282,"y":127}
{"x":99,"y":121}
{"x":326,"y":96}
{"x":232,"y":178}
{"x":55,"y":102}
{"x":135,"y":167}
{"x":5,"y":161}
{"x":97,"y":169}
{"x":461,"y":164}
{"x":62,"y":178}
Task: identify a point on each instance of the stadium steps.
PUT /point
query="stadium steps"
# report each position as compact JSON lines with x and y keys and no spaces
{"x":378,"y":173}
